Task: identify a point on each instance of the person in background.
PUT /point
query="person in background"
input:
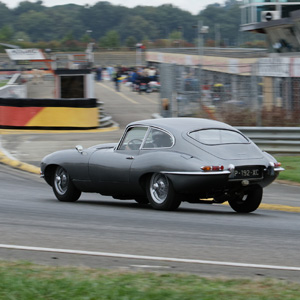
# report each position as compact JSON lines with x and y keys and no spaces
{"x":110,"y":71}
{"x":152,"y":74}
{"x":99,"y":73}
{"x":117,"y":79}
{"x":134,"y":79}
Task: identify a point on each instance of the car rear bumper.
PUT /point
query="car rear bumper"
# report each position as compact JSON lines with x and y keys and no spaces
{"x":197,"y":182}
{"x":211,"y":182}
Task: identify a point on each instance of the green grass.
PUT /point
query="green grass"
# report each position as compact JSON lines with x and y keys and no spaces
{"x":292,"y":168}
{"x":3,"y":83}
{"x":25,"y":281}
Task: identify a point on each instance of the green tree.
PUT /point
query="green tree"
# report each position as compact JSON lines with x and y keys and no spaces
{"x":32,"y":21}
{"x":21,"y":36}
{"x":168,"y":18}
{"x":175,"y":38}
{"x":86,"y":38}
{"x":103,"y":17}
{"x":227,"y":19}
{"x":26,"y":6}
{"x":6,"y":33}
{"x":68,"y":37}
{"x":136,"y":26}
{"x":66,"y":18}
{"x":175,"y":35}
{"x":36,"y":24}
{"x":110,"y":40}
{"x":5,"y":15}
{"x":130,"y":41}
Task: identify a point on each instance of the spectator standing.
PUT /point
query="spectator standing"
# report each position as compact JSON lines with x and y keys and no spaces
{"x":152,"y":74}
{"x":117,"y":79}
{"x":134,"y":79}
{"x":99,"y":74}
{"x":110,"y":71}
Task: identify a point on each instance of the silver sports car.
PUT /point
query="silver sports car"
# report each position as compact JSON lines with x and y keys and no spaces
{"x":163,"y":162}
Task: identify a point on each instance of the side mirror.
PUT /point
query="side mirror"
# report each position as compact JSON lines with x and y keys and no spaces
{"x":79,"y":148}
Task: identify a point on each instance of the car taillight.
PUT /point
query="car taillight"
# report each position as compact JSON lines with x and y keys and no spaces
{"x":212,"y":168}
{"x":275,"y":164}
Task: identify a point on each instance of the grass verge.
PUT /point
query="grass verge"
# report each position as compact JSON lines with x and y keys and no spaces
{"x":3,"y":83}
{"x":25,"y":281}
{"x":292,"y":168}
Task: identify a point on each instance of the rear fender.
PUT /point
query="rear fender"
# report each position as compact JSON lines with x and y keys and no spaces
{"x":161,"y":161}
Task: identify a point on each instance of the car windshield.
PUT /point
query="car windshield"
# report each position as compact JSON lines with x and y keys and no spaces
{"x":218,"y":137}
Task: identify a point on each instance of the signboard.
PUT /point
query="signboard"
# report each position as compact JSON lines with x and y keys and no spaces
{"x":25,"y":54}
{"x":295,"y":70}
{"x":241,"y":66}
{"x":274,"y":67}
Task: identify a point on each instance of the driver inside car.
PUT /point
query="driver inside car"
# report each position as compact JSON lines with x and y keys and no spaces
{"x":161,"y":139}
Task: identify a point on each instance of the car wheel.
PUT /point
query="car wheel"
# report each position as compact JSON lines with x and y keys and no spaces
{"x":63,"y":187}
{"x":160,"y":193}
{"x":248,"y":200}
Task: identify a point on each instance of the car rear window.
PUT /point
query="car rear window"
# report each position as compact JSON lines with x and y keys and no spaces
{"x":218,"y":137}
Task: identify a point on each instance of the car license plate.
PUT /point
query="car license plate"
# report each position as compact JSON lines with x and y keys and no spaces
{"x":247,"y":172}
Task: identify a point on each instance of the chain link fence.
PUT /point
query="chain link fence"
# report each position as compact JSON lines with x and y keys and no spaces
{"x":240,"y":100}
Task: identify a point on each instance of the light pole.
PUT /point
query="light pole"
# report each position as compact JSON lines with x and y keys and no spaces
{"x":201,"y":30}
{"x":138,"y":54}
{"x":180,"y":29}
{"x":217,"y":35}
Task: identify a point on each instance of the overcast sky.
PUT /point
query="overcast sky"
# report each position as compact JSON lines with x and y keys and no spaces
{"x":193,"y":6}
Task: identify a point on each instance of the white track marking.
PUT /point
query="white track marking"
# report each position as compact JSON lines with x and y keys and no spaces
{"x":150,"y":258}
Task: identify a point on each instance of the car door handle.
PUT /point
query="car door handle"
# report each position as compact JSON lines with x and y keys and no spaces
{"x":130,"y":157}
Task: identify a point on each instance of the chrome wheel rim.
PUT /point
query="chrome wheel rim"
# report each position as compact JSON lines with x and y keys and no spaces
{"x":159,"y":188}
{"x":61,"y":181}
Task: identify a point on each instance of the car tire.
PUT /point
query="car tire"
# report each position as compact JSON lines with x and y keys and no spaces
{"x":248,"y":200}
{"x":161,"y":194}
{"x":63,"y":187}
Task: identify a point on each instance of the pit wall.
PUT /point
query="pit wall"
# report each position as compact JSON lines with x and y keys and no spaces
{"x":17,"y":113}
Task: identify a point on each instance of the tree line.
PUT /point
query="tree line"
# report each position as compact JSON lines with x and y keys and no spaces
{"x":71,"y":27}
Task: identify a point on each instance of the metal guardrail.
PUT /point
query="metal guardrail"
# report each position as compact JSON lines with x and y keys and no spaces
{"x":274,"y":139}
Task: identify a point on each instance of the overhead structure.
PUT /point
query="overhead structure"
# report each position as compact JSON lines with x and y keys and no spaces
{"x":279,"y":20}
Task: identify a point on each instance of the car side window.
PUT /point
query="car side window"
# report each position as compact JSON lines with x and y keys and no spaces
{"x":133,"y":139}
{"x":158,"y":139}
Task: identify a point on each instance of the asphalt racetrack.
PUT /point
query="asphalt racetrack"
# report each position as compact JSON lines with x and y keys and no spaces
{"x":102,"y":232}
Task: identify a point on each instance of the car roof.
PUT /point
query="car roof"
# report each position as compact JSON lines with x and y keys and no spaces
{"x":182,"y":124}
